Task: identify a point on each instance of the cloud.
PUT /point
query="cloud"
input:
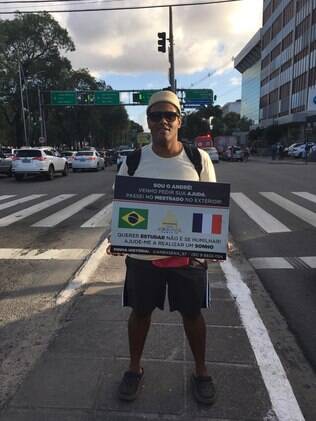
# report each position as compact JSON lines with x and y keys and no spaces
{"x":125,"y":42}
{"x":235,"y":81}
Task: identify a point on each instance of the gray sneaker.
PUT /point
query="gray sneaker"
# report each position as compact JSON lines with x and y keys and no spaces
{"x":130,"y":385}
{"x":203,"y":389}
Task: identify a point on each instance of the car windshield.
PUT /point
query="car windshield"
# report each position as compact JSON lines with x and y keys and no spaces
{"x":28,"y":153}
{"x":84,"y":153}
{"x":67,"y":153}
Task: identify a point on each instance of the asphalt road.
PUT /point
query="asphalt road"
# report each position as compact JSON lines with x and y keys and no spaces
{"x":291,"y":237}
{"x":28,"y":287}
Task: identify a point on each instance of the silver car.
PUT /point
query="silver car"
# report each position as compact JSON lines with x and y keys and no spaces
{"x":5,"y":165}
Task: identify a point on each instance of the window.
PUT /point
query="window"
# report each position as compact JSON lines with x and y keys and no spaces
{"x":28,"y":153}
{"x":302,"y":27}
{"x":287,"y":41}
{"x":288,"y":13}
{"x":277,"y":26}
{"x":286,"y":65}
{"x":276,"y":51}
{"x":299,"y":83}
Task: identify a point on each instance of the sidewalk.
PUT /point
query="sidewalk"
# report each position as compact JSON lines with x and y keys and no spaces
{"x":77,"y":377}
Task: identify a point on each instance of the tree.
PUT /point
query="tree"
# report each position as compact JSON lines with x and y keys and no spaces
{"x":30,"y":44}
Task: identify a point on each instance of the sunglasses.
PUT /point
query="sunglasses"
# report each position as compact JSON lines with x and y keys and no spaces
{"x":157,"y":116}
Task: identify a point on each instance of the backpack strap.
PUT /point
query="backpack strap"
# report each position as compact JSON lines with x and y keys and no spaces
{"x":194,"y":156}
{"x":132,"y":161}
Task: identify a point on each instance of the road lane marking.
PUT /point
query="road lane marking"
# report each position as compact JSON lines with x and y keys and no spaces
{"x":310,"y":261}
{"x":270,"y":263}
{"x":85,"y":272}
{"x":40,"y":254}
{"x":274,"y":376}
{"x":67,"y":212}
{"x":22,"y":200}
{"x":266,"y":221}
{"x":297,"y":210}
{"x":101,"y":219}
{"x":17,"y":216}
{"x":7,"y":196}
{"x":305,"y":195}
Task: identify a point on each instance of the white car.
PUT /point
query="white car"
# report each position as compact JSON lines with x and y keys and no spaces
{"x":69,"y":155}
{"x":34,"y":161}
{"x":213,"y":154}
{"x":87,"y":160}
{"x":122,"y":154}
{"x":292,"y":147}
{"x":299,"y":151}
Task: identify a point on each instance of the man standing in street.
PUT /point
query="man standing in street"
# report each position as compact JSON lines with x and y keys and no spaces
{"x":147,"y":277}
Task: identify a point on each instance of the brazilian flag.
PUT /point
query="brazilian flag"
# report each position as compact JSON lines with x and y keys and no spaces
{"x":133,"y":218}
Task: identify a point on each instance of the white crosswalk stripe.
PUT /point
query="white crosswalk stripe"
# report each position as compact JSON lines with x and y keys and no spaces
{"x":58,"y":217}
{"x":6,"y":196}
{"x":305,"y":195}
{"x":101,"y":219}
{"x":297,"y":210}
{"x":22,"y":200}
{"x":266,"y":221}
{"x":17,"y":216}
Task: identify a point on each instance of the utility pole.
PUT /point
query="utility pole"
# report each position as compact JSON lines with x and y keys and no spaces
{"x":40,"y":110}
{"x":171,"y":54}
{"x":22,"y":106}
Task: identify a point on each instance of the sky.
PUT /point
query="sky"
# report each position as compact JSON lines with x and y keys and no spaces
{"x":120,"y":47}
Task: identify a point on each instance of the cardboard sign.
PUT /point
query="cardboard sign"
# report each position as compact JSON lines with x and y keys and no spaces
{"x":170,"y":217}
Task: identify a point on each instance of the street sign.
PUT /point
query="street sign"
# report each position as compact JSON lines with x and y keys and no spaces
{"x":143,"y":97}
{"x":63,"y":98}
{"x":107,"y":98}
{"x":199,"y":96}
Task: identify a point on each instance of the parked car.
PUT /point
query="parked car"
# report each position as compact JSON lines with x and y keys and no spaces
{"x":38,"y":161}
{"x":8,"y":152}
{"x":5,"y":165}
{"x":88,"y":160}
{"x":233,"y":153}
{"x":213,"y":154}
{"x":69,"y":155}
{"x":300,"y":151}
{"x":122,"y":154}
{"x":291,"y":148}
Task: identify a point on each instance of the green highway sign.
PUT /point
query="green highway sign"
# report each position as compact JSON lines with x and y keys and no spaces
{"x":143,"y":97}
{"x":199,"y":94}
{"x":63,"y":98}
{"x":107,"y":98}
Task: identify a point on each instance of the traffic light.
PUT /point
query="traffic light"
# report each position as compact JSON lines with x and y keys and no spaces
{"x":162,"y":42}
{"x":137,"y":97}
{"x":85,"y":98}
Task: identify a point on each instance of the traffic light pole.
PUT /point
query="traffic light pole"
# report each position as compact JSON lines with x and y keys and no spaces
{"x":171,"y":54}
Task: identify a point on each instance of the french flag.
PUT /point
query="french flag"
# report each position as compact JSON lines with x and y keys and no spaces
{"x":207,"y":224}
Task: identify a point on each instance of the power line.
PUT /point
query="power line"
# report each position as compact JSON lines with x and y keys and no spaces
{"x":125,"y":8}
{"x":210,"y":74}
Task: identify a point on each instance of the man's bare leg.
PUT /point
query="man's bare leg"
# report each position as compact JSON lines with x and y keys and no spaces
{"x":138,"y":326}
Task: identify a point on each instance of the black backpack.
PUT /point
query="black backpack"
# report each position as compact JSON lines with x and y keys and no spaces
{"x":132,"y":160}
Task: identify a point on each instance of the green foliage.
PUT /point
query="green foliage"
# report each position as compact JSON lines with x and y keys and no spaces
{"x":36,"y":43}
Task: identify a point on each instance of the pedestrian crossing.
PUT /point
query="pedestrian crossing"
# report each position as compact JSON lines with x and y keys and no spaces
{"x":263,"y":218}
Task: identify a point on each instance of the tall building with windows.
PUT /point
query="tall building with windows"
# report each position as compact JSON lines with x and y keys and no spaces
{"x":248,"y":63}
{"x":288,"y":63}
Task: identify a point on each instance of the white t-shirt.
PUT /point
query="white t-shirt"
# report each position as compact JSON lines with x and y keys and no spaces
{"x":175,"y":168}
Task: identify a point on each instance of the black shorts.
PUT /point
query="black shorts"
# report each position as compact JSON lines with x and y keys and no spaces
{"x":145,"y":287}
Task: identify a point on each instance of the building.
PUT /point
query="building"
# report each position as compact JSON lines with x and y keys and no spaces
{"x":288,"y":65}
{"x":248,"y":63}
{"x":232,"y":107}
